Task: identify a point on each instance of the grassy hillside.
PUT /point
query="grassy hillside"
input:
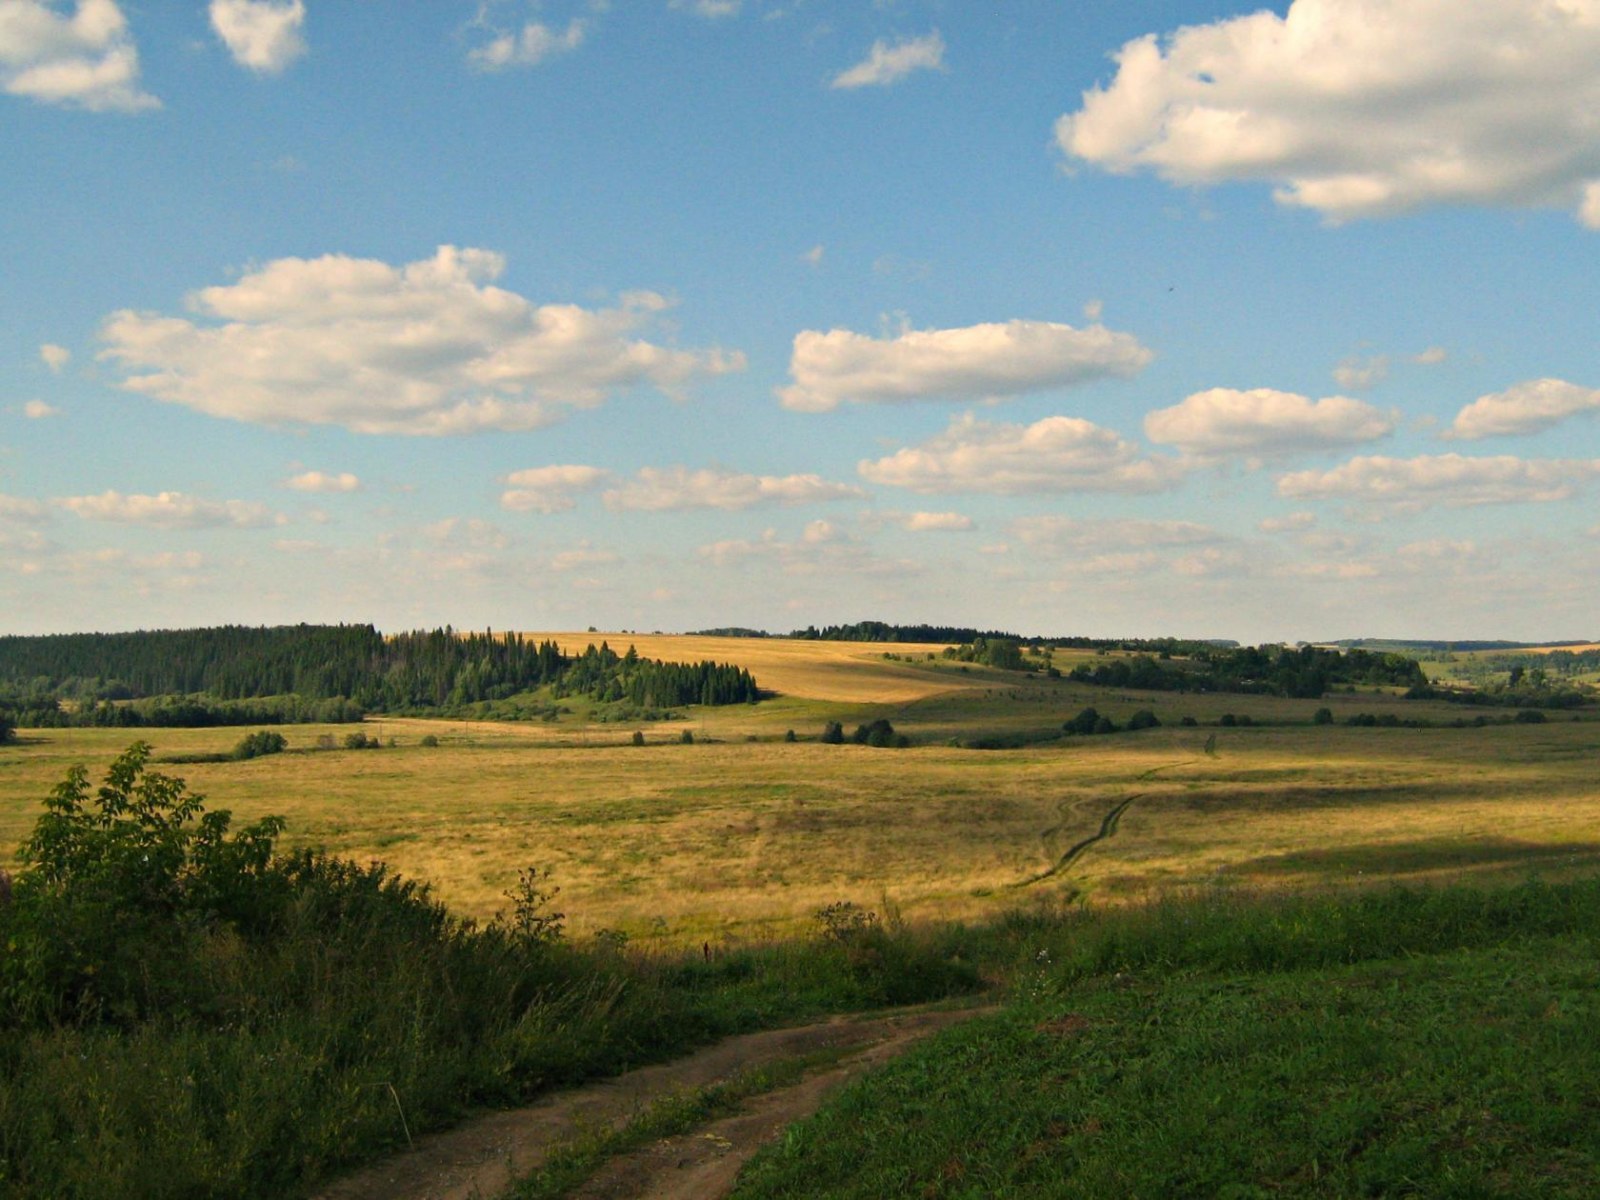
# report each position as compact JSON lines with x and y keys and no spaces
{"x":1427,"y":1044}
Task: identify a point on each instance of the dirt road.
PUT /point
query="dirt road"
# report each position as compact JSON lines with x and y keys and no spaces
{"x":479,"y":1160}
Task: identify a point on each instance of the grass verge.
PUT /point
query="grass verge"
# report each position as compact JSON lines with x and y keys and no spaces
{"x":1273,"y":1049}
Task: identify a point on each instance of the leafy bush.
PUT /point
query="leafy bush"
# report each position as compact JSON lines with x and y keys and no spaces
{"x":360,"y":741}
{"x":880,"y":733}
{"x":1323,"y":716}
{"x":833,"y":734}
{"x":257,"y":744}
{"x":1143,"y":719}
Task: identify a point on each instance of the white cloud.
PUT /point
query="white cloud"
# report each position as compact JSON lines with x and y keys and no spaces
{"x":38,"y":410}
{"x":1364,"y":108}
{"x":1293,"y":523}
{"x":263,"y":35}
{"x":171,"y":510}
{"x":466,"y":534}
{"x":321,"y":481}
{"x":1431,"y":357}
{"x":55,"y":357}
{"x":1525,"y":408}
{"x":1077,"y":534}
{"x":17,"y":510}
{"x":710,"y":9}
{"x":1056,"y":454}
{"x":431,"y":347}
{"x":657,"y":489}
{"x":1444,"y":479}
{"x":86,"y":60}
{"x":971,"y":363}
{"x":887,"y":63}
{"x":818,"y":532}
{"x":550,"y":489}
{"x":1357,"y":374}
{"x":934,"y":522}
{"x":813,"y":256}
{"x":1263,"y":421}
{"x":533,"y":45}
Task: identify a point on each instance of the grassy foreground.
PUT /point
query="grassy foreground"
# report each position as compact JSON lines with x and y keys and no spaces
{"x":1418,"y":1043}
{"x":186,"y":1012}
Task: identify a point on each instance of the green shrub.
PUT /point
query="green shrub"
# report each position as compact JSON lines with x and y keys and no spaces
{"x":638,"y":737}
{"x":429,"y":740}
{"x":257,"y":744}
{"x":833,"y":734}
{"x":1323,"y":716}
{"x":1143,"y":719}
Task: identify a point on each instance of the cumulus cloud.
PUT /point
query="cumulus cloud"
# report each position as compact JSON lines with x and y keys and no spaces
{"x":535,"y":43}
{"x":1431,"y":357}
{"x":550,"y":489}
{"x":322,"y":481}
{"x":171,"y":510}
{"x":18,"y":510}
{"x":933,"y":522}
{"x":1263,"y":421}
{"x":263,"y":35}
{"x":85,"y":60}
{"x":889,"y":63}
{"x":658,"y":489}
{"x":1526,"y":408}
{"x":431,"y":347}
{"x":970,"y":363}
{"x":38,"y":410}
{"x":1357,"y":374}
{"x":1056,"y":454}
{"x":55,"y":357}
{"x":1450,"y":480}
{"x":1364,"y":108}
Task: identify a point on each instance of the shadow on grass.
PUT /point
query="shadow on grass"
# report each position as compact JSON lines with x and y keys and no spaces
{"x":1392,"y":858}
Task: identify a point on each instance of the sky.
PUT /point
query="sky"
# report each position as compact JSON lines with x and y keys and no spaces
{"x":1159,"y":317}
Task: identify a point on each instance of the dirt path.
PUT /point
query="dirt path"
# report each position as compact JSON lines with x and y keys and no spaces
{"x":479,"y":1160}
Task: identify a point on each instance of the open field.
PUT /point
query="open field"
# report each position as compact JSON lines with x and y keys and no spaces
{"x":843,"y":671}
{"x":742,"y":835}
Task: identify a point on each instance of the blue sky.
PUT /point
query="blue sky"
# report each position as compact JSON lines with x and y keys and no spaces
{"x":1154,"y":318}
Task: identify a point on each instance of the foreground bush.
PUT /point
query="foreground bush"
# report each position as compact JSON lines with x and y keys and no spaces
{"x":184,"y":1011}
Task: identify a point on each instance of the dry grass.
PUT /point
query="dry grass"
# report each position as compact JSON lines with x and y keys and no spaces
{"x":740,"y":838}
{"x":847,"y":672}
{"x":742,"y":834}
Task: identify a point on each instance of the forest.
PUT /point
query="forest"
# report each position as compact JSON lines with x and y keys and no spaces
{"x":243,"y":675}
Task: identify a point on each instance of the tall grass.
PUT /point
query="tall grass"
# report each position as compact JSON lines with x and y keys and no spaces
{"x":185,"y":1013}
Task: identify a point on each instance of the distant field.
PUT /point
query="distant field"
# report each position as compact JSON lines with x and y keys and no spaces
{"x":846,"y":671}
{"x":742,"y":834}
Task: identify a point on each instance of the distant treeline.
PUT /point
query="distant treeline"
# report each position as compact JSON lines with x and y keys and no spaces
{"x":882,"y":631}
{"x":1306,"y":672}
{"x":174,"y":712}
{"x":1445,"y":647}
{"x":355,"y":664}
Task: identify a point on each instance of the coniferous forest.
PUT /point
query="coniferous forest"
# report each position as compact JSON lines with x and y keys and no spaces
{"x":242,"y":675}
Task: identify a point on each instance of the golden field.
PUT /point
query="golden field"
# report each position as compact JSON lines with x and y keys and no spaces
{"x":742,"y":834}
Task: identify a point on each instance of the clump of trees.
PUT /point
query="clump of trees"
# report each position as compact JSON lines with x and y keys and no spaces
{"x":878,"y":733}
{"x":1091,"y":721}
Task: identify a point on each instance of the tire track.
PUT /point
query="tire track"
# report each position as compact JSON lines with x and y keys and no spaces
{"x":1108,"y":827}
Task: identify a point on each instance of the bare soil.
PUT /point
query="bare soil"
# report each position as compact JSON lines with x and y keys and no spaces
{"x":482,"y":1158}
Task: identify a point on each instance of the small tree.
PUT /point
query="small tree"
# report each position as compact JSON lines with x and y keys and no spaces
{"x":833,"y":734}
{"x":638,"y":737}
{"x":1323,"y":716}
